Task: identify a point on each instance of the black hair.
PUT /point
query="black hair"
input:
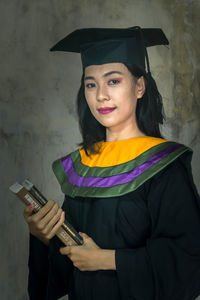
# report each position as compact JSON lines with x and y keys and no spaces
{"x":149,"y":113}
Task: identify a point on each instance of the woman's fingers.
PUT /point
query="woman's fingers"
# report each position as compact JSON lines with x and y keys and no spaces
{"x":84,"y":235}
{"x":66,"y":250}
{"x":55,"y":228}
{"x":48,"y":224}
{"x":44,"y":210}
{"x":45,"y":223}
{"x":28,"y":211}
{"x":46,"y":216}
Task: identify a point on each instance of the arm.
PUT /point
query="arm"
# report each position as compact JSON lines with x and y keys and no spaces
{"x":89,"y":257}
{"x":168,"y":267}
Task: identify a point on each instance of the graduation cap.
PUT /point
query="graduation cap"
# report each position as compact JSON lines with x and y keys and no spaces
{"x":106,"y":45}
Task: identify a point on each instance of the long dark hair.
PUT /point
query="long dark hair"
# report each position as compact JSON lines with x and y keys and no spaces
{"x":149,"y":112}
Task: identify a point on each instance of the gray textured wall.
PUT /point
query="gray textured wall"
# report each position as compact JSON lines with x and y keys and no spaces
{"x":37,"y":113}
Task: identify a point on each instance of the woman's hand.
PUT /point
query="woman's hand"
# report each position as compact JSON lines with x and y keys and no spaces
{"x":45,"y":223}
{"x":89,"y":256}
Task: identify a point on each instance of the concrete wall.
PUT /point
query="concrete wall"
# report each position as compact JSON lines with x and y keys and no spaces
{"x":38,"y":122}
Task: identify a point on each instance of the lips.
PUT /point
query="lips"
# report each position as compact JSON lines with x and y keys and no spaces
{"x":106,"y":110}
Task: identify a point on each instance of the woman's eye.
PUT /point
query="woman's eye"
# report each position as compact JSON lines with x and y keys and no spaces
{"x":114,"y":81}
{"x":90,"y":85}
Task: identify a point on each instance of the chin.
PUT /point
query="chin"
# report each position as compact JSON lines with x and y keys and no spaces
{"x":107,"y":123}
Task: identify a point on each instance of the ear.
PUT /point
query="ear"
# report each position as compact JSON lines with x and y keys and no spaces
{"x":140,"y":87}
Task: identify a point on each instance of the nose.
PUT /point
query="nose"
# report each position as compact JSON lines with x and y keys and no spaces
{"x":102,"y":93}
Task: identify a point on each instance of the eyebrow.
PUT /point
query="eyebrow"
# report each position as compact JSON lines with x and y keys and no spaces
{"x":105,"y":75}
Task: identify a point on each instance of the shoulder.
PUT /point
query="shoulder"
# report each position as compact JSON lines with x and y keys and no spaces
{"x":66,"y":161}
{"x":126,"y":170}
{"x":175,"y":176}
{"x":178,"y":166}
{"x":74,"y":154}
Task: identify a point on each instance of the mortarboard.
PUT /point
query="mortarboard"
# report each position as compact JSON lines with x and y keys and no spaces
{"x":107,"y":45}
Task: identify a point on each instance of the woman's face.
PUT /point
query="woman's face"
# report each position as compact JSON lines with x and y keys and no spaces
{"x":111,"y":93}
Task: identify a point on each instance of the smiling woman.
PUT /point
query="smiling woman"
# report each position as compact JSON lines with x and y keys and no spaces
{"x":148,"y":111}
{"x":127,"y":190}
{"x":111,"y":93}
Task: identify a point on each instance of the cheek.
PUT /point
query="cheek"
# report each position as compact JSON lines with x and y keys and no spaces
{"x":127,"y":99}
{"x":90,"y":99}
{"x":126,"y":91}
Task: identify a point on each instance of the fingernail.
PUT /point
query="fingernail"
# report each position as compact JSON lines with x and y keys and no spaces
{"x":63,"y":213}
{"x":31,"y":205}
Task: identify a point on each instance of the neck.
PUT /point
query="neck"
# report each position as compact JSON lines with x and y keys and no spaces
{"x":123,"y":134}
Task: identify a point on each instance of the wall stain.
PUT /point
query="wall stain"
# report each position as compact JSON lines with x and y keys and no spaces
{"x":185,"y":53}
{"x":5,"y":136}
{"x":24,"y":8}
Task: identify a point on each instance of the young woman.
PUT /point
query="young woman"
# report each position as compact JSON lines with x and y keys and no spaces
{"x":128,"y":191}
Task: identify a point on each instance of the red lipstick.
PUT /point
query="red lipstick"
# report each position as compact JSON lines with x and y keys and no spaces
{"x":105,"y":110}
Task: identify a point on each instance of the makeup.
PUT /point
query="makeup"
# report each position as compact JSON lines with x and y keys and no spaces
{"x":29,"y":194}
{"x":115,"y":81}
{"x":106,"y":110}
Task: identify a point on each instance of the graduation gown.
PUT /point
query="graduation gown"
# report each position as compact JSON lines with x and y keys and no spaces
{"x":136,"y":196}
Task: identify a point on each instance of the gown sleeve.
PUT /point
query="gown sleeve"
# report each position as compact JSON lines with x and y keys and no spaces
{"x":50,"y":273}
{"x":38,"y":269}
{"x":60,"y":272}
{"x":168,"y":266}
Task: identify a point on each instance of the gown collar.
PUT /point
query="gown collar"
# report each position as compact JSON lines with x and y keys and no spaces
{"x":120,"y":167}
{"x":119,"y":152}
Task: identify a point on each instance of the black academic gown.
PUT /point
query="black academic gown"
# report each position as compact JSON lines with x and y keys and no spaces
{"x":155,"y":230}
